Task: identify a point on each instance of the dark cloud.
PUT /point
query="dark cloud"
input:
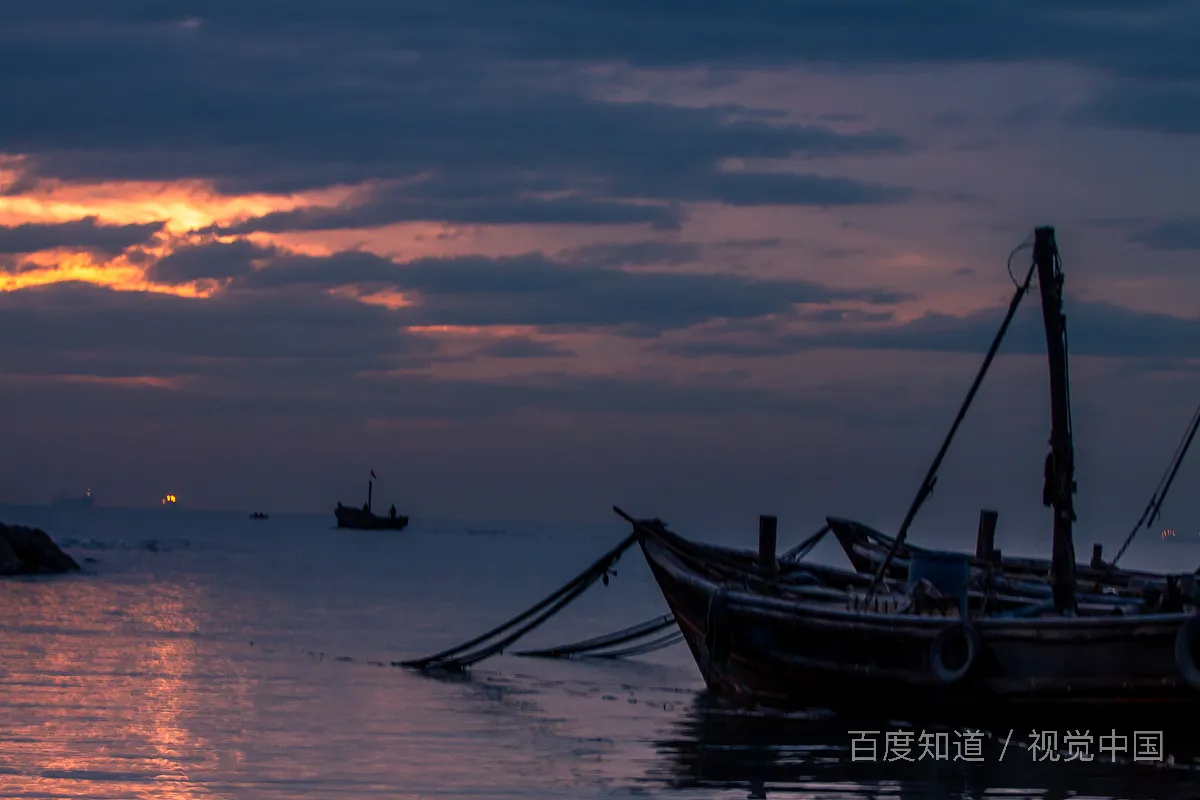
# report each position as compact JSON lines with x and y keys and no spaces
{"x":81,"y":329}
{"x":834,"y":315}
{"x":1163,"y":109}
{"x":211,"y":261}
{"x":440,"y":112}
{"x":747,"y":244}
{"x":583,"y":288}
{"x":1176,"y":234}
{"x":486,"y":113}
{"x":295,"y":353}
{"x":660,"y":33}
{"x":648,"y":253}
{"x":1095,"y":329}
{"x":80,"y":234}
{"x":535,"y":290}
{"x":523,"y":347}
{"x":498,"y":204}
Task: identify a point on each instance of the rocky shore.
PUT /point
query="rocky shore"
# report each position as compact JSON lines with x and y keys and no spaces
{"x":31,"y":551}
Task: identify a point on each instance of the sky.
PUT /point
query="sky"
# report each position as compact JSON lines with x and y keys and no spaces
{"x":527,"y":259}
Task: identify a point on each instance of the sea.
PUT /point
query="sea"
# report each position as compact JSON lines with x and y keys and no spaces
{"x":209,"y":655}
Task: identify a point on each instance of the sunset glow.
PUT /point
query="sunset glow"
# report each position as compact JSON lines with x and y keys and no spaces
{"x":308,"y":254}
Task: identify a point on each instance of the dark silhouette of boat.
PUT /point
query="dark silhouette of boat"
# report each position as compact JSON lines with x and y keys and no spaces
{"x":259,"y":515}
{"x":364,"y":519}
{"x":867,"y":549}
{"x":789,"y":633}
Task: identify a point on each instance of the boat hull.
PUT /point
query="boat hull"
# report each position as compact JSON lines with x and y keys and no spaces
{"x":359,"y":519}
{"x":784,"y":651}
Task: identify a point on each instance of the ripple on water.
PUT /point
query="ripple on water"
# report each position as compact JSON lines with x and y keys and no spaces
{"x":255,"y":662}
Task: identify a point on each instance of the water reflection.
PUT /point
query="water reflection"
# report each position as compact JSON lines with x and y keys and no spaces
{"x":101,"y":688}
{"x":770,"y":754}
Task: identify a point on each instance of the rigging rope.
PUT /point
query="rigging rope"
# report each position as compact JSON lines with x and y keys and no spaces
{"x":598,"y":643}
{"x":931,"y":476}
{"x":801,"y":550}
{"x":456,"y":657}
{"x":1154,"y":507}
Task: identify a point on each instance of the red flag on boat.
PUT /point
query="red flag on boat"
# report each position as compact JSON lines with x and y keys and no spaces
{"x":373,"y":474}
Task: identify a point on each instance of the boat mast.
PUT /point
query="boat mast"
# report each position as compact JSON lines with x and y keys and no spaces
{"x":369,"y":486}
{"x":1060,"y":462}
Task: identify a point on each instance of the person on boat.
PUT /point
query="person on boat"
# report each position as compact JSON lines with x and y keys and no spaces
{"x":392,"y":511}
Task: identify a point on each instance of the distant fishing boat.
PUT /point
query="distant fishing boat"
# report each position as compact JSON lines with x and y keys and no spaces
{"x":82,"y":502}
{"x":169,"y":500}
{"x":364,"y":519}
{"x":259,"y":515}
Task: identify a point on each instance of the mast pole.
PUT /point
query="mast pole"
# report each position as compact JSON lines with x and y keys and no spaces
{"x":369,"y":486}
{"x":1060,"y":462}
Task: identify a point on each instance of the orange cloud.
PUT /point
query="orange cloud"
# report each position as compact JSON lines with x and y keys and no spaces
{"x":183,"y":205}
{"x":58,"y":266}
{"x":124,"y":381}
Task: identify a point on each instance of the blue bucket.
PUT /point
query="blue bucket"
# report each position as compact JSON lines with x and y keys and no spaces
{"x":950,"y":574}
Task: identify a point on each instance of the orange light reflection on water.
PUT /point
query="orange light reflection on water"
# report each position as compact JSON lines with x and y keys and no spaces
{"x":109,"y":705}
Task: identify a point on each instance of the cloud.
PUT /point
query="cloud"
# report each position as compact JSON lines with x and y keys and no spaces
{"x":1176,"y":234}
{"x":523,"y":347}
{"x":534,"y":290}
{"x":1094,"y":329}
{"x":237,"y":355}
{"x":80,"y":234}
{"x":583,"y":288}
{"x":764,"y":243}
{"x":210,"y":261}
{"x":507,"y":98}
{"x":647,"y":253}
{"x":439,"y":113}
{"x":1171,"y":109}
{"x":504,"y":205}
{"x":81,"y":329}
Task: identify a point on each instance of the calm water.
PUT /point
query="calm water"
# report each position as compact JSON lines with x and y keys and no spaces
{"x":206,"y":655}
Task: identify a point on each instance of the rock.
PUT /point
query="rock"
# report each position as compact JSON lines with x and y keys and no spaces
{"x":10,"y":564}
{"x":31,"y":551}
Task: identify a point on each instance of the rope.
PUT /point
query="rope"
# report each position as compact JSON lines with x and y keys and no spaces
{"x":673,"y":638}
{"x":801,"y":550}
{"x":931,"y":476}
{"x":1154,"y":507}
{"x":634,"y":632}
{"x":450,"y":659}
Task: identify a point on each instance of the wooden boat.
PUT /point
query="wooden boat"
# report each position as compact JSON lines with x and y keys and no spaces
{"x":823,"y":641}
{"x":364,"y":519}
{"x":259,"y":515}
{"x":766,"y":637}
{"x":867,"y":549}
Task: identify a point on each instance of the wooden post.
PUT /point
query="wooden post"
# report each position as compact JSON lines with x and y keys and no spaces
{"x":996,"y":557}
{"x":1060,"y":462}
{"x":767,"y":528}
{"x":1097,"y":559}
{"x":985,"y":540}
